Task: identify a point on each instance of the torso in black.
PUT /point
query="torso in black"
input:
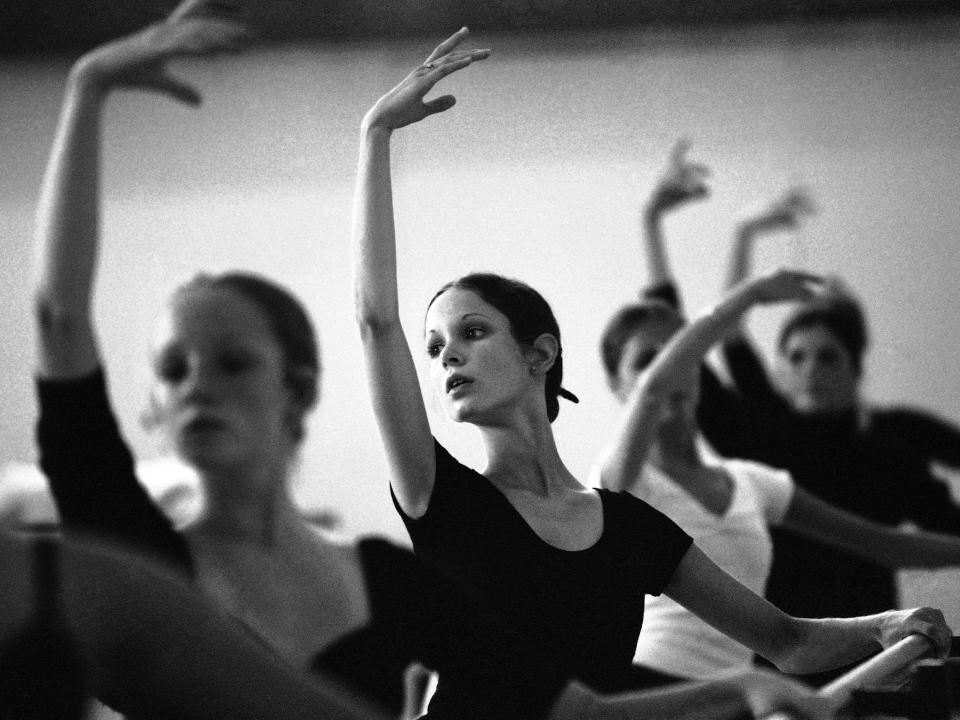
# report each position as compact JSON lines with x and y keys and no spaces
{"x":582,"y":608}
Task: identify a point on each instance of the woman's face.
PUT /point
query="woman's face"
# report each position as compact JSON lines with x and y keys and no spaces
{"x":816,"y":372}
{"x":220,"y":386}
{"x":477,"y":366}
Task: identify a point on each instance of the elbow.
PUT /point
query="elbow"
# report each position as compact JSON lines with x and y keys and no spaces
{"x":374,"y":325}
{"x":55,"y":319}
{"x":374,"y":319}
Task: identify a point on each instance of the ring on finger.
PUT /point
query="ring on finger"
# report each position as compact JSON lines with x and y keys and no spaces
{"x":429,"y":65}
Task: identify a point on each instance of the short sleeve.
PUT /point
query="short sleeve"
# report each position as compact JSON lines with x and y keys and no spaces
{"x":453,"y":482}
{"x":666,"y":292}
{"x":652,"y":544}
{"x":773,"y":488}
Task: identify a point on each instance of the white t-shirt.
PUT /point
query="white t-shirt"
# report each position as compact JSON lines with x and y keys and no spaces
{"x":674,"y":640}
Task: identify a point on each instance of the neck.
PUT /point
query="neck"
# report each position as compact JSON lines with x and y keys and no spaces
{"x":246,"y":509}
{"x":525,"y":456}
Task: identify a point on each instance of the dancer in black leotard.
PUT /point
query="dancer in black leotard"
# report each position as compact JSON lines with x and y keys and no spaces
{"x":566,"y":563}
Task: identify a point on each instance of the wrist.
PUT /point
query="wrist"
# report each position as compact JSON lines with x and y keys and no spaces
{"x":87,"y":78}
{"x":652,"y":212}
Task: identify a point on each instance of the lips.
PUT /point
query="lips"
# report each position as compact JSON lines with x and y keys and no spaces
{"x":456,"y":381}
{"x":203,"y":424}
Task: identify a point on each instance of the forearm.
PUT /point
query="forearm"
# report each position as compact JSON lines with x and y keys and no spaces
{"x":826,"y":643}
{"x":651,"y":230}
{"x":742,"y":254}
{"x":880,"y":544}
{"x":374,"y":236}
{"x":67,"y":232}
{"x":711,"y":700}
{"x":687,"y":348}
{"x":68,"y":208}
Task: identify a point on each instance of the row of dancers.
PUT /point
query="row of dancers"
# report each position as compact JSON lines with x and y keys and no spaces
{"x":525,"y":591}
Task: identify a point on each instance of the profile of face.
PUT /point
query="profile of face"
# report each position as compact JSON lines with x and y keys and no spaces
{"x":220,"y":392}
{"x":477,"y":366}
{"x":816,"y":372}
{"x":639,"y":351}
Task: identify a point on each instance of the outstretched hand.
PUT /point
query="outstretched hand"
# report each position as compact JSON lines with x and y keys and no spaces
{"x":785,"y":212}
{"x":682,"y":181}
{"x":138,"y":61}
{"x":784,"y":286}
{"x":405,"y":103}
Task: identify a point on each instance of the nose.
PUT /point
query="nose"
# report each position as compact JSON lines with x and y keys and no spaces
{"x":199,"y":383}
{"x":451,"y":355}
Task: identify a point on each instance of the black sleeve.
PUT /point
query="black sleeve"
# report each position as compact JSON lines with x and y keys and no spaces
{"x":91,"y":471}
{"x":932,"y":437}
{"x":483,"y":664}
{"x":667,"y":292}
{"x":930,"y":505}
{"x":748,"y":373}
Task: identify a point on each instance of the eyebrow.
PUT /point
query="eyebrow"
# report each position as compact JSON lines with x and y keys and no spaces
{"x":463,"y":317}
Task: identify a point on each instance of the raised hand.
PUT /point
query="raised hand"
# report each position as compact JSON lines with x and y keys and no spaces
{"x":784,"y":285}
{"x":785,"y":212}
{"x":682,"y":181}
{"x":405,"y":103}
{"x":138,"y":61}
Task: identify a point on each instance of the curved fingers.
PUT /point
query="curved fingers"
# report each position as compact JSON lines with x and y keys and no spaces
{"x":925,"y":621}
{"x":447,"y":45}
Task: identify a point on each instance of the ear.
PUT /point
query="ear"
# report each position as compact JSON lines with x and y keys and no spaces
{"x":303,"y":387}
{"x":542,"y":353}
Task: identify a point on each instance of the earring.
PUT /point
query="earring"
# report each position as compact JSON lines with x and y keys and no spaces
{"x":534,"y":368}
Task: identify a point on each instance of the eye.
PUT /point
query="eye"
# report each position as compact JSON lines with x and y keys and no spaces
{"x":236,"y":362}
{"x":474,"y":332}
{"x":171,"y":368}
{"x":796,"y":357}
{"x":829,"y":356}
{"x":433,"y":349}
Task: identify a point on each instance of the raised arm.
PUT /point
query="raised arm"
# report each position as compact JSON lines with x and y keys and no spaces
{"x":783,"y":214}
{"x":682,"y":182}
{"x":391,"y":374}
{"x":887,"y":546}
{"x":68,"y":221}
{"x":674,"y":370}
{"x":795,"y":645}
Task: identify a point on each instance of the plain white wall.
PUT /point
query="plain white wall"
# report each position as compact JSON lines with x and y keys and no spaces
{"x":538,"y":173}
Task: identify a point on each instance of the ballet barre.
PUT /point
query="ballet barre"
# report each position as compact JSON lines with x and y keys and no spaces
{"x":890,"y":668}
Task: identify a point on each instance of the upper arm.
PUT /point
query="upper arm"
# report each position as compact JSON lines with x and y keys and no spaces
{"x":92,"y":473}
{"x":401,"y":416}
{"x":725,"y":603}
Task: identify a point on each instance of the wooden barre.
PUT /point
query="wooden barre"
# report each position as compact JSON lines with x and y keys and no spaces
{"x":888,"y":667}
